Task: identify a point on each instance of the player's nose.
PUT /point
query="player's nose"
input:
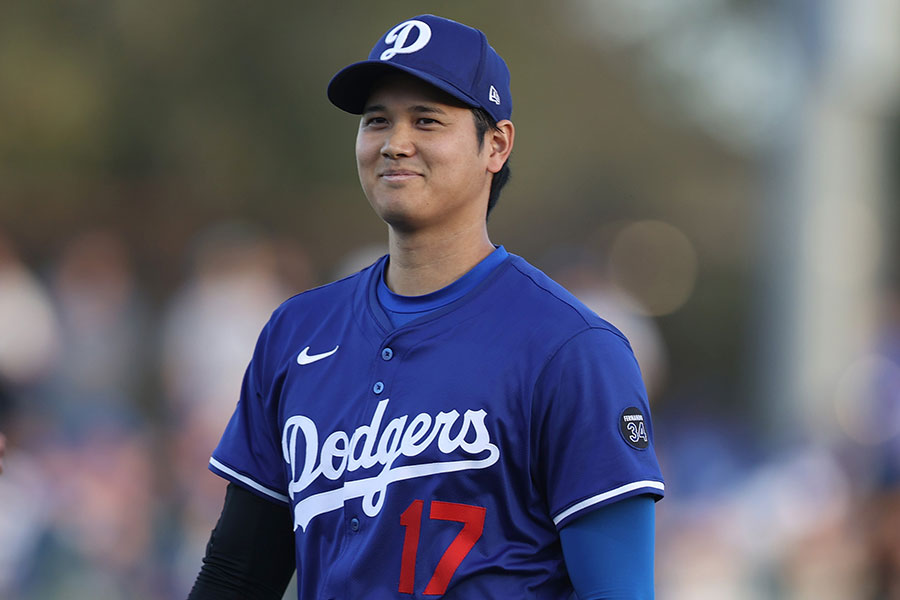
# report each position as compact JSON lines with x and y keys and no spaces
{"x":398,"y":141}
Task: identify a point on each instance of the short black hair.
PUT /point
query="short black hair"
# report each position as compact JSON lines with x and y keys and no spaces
{"x":483,"y":123}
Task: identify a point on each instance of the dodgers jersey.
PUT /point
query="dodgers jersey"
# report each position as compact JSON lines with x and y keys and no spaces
{"x":439,"y":458}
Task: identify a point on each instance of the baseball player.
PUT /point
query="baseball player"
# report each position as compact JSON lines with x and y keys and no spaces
{"x":448,"y":422}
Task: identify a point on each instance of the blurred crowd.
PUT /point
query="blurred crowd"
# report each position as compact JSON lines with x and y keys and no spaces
{"x":111,"y":408}
{"x":111,"y":404}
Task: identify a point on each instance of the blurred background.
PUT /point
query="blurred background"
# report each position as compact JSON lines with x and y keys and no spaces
{"x":719,"y":178}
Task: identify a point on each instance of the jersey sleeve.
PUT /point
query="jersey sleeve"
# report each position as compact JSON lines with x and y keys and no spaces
{"x":619,"y":536}
{"x":593,"y":439}
{"x":249,"y":453}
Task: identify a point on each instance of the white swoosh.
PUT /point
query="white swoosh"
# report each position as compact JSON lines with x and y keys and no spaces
{"x":305,"y":358}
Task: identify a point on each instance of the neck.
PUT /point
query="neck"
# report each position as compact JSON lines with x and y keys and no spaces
{"x":425,"y":261}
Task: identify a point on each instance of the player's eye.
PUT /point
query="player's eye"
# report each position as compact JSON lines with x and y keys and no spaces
{"x":426,"y":121}
{"x":374,"y":121}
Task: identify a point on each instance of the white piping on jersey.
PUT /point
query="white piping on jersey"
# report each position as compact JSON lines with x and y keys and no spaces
{"x":629,"y":487}
{"x":378,"y":446}
{"x":246,"y":480}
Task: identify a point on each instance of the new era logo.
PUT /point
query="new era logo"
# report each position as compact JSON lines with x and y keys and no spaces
{"x":494,"y":96}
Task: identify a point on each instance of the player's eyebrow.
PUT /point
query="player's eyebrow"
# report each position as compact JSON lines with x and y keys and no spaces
{"x":426,"y":109}
{"x":417,"y":109}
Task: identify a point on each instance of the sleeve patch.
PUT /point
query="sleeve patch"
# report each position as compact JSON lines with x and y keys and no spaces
{"x":633,"y":428}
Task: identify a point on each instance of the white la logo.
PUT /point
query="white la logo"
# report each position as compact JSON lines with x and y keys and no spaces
{"x":398,"y":36}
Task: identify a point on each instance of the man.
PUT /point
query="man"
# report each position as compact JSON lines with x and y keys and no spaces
{"x":448,"y":422}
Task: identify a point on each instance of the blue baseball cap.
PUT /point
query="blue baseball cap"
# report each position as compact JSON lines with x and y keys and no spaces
{"x":451,"y":56}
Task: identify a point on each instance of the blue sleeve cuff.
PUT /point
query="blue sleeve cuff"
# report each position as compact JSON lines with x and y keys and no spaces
{"x":609,"y":551}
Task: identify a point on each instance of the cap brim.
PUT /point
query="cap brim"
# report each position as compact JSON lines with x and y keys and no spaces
{"x":351,"y":87}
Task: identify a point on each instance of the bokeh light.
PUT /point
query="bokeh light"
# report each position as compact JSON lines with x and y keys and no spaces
{"x":656,"y":263}
{"x":867,"y":400}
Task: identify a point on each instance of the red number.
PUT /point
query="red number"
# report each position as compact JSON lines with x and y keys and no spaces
{"x":412,"y":520}
{"x":472,"y":518}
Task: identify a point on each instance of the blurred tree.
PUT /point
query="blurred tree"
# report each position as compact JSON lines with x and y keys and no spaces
{"x":159,"y":118}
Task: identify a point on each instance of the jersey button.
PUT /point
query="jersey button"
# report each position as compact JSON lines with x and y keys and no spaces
{"x":378,"y":387}
{"x":387,"y":354}
{"x":354,"y":524}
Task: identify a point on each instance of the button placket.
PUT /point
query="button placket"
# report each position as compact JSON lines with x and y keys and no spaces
{"x":382,"y":370}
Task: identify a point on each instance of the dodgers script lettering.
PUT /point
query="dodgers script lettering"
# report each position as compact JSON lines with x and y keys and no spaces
{"x":370,"y":445}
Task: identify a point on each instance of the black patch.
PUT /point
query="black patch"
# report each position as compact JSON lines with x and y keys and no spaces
{"x":633,"y":427}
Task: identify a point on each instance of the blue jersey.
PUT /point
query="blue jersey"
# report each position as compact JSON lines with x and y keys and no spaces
{"x":439,"y":458}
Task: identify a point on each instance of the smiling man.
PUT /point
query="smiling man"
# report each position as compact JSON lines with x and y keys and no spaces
{"x":448,"y":422}
{"x":427,"y":173}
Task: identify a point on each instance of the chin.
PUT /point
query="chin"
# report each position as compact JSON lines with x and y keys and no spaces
{"x":395,"y":203}
{"x":398,"y":219}
{"x":399,"y":215}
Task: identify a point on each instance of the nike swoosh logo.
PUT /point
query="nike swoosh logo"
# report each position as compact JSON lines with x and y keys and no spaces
{"x":305,"y":358}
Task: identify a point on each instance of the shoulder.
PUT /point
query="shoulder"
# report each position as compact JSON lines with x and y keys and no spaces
{"x":533,"y":292}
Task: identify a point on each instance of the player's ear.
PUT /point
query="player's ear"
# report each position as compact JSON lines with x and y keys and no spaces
{"x":500,"y":143}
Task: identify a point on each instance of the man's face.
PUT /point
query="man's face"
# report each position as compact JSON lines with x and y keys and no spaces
{"x":419,"y":159}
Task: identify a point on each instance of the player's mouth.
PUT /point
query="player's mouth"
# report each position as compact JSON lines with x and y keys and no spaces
{"x":398,"y":175}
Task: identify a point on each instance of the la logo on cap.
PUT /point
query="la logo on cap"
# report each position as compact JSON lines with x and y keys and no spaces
{"x":399,"y":34}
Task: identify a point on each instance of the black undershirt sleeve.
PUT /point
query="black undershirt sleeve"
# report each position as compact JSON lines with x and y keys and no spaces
{"x":250,"y":554}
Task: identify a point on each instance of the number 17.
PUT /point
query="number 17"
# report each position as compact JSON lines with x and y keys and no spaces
{"x":472,"y":518}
